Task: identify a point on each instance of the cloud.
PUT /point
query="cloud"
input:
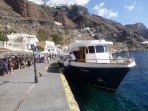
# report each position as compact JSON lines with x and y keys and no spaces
{"x":131,"y":7}
{"x":57,"y":2}
{"x":141,"y":8}
{"x":104,"y":12}
{"x":97,"y":7}
{"x":37,"y":1}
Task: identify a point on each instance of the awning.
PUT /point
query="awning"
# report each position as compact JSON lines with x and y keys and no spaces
{"x":4,"y":49}
{"x":11,"y":49}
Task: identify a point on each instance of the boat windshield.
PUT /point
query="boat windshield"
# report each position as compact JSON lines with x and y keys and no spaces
{"x":96,"y":49}
{"x":91,"y":49}
{"x":100,"y":49}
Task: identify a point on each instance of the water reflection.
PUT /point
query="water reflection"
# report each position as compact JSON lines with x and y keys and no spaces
{"x":90,"y":99}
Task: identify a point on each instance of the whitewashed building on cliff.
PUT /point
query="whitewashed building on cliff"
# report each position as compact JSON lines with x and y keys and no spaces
{"x":49,"y":47}
{"x":20,"y":40}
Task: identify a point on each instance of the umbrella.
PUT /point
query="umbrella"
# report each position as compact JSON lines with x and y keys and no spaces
{"x":12,"y":49}
{"x":4,"y":49}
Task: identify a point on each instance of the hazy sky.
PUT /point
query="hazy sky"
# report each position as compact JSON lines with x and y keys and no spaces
{"x":123,"y":11}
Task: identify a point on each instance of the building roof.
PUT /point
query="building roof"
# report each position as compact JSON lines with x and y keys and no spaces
{"x":41,"y":43}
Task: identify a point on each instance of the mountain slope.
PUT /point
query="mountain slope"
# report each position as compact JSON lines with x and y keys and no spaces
{"x":28,"y":9}
{"x":7,"y":11}
{"x":139,"y":28}
{"x":76,"y":18}
{"x":62,"y":18}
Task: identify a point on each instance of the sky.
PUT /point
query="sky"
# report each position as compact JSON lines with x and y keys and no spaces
{"x":122,"y":11}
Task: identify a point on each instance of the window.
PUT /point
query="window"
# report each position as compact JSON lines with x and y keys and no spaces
{"x":91,"y":49}
{"x":100,"y":49}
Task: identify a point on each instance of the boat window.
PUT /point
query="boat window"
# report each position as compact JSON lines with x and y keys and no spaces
{"x":100,"y":49}
{"x":86,"y":50}
{"x":91,"y":49}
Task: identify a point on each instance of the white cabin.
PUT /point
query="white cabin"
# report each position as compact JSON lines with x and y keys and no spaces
{"x":94,"y":51}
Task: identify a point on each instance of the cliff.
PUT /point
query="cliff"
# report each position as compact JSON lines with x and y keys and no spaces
{"x":139,"y":28}
{"x":25,"y":16}
{"x":62,"y":18}
{"x":28,"y":9}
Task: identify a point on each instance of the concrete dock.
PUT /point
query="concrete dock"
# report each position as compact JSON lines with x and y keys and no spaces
{"x":18,"y":92}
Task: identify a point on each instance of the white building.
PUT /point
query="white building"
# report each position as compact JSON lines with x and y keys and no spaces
{"x":20,"y":40}
{"x":49,"y":47}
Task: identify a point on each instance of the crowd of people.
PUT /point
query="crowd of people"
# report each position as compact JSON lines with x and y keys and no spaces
{"x":7,"y":65}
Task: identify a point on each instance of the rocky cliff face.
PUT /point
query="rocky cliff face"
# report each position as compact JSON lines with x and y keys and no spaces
{"x":139,"y":28}
{"x":113,"y":31}
{"x":62,"y":18}
{"x":102,"y":28}
{"x":7,"y":11}
{"x":76,"y":17}
{"x":76,"y":10}
{"x":28,"y":9}
{"x":136,"y":27}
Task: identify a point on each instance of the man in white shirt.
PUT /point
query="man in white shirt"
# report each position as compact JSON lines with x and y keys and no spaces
{"x":72,"y":56}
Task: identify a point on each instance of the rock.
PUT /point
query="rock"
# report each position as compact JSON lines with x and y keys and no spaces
{"x":28,"y":9}
{"x":62,"y":18}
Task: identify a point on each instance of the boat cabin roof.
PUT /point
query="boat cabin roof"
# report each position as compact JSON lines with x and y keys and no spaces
{"x":79,"y":43}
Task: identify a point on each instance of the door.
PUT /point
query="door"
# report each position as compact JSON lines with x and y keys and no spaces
{"x":82,"y":54}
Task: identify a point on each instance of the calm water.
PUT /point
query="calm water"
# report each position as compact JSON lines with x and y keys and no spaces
{"x":132,"y":94}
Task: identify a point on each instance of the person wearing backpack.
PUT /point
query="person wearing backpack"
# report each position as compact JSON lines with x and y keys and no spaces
{"x":4,"y":67}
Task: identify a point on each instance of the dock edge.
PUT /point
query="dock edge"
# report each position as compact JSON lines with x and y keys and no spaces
{"x":73,"y":106}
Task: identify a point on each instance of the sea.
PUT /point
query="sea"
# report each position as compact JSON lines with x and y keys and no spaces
{"x":132,"y":94}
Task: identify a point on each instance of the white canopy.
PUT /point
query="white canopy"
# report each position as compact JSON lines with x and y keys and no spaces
{"x":78,"y":43}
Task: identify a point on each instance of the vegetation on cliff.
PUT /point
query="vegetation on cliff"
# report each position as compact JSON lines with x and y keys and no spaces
{"x":57,"y":38}
{"x":3,"y":37}
{"x":41,"y":35}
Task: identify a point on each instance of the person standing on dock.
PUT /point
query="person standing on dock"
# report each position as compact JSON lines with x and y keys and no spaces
{"x":4,"y":67}
{"x":10,"y":67}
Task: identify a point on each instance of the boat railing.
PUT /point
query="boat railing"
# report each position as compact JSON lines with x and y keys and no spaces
{"x":124,"y":60}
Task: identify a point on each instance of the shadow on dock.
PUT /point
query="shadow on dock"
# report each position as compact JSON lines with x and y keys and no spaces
{"x":53,"y":68}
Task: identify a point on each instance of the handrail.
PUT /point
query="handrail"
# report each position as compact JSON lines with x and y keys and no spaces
{"x":112,"y":61}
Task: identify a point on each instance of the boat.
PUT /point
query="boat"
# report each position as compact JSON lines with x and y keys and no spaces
{"x":96,"y":65}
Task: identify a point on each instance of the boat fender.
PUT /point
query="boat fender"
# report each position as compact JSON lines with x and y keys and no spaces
{"x":66,"y":63}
